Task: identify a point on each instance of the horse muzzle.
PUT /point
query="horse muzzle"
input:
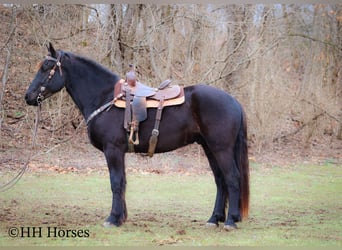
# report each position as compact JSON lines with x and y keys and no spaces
{"x":31,"y":99}
{"x":36,"y":98}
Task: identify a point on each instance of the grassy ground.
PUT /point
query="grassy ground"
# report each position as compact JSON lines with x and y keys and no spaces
{"x":299,"y":205}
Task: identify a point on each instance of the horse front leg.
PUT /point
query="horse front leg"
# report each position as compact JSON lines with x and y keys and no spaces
{"x":116,"y":166}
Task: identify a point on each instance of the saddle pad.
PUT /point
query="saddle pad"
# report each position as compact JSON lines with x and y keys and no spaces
{"x":142,"y":90}
{"x":155,"y":103}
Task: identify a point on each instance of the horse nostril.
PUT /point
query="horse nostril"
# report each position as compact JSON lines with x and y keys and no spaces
{"x":27,"y":98}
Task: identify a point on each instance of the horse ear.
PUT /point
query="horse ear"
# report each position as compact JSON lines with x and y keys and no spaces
{"x":51,"y":50}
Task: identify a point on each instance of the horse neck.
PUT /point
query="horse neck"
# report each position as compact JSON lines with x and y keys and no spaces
{"x":89,"y":84}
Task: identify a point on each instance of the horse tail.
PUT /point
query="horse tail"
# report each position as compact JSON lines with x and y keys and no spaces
{"x":241,"y":157}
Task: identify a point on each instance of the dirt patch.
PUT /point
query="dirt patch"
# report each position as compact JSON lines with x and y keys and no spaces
{"x":13,"y":213}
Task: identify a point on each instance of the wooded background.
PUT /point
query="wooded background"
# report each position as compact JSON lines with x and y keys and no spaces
{"x":282,"y":62}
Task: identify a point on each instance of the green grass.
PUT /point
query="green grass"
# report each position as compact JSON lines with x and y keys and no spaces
{"x":299,"y":205}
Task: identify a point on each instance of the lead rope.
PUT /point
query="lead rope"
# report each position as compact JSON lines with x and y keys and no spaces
{"x":16,"y":178}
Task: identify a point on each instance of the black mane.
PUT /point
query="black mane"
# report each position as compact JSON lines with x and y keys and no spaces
{"x":95,"y":66}
{"x":97,"y":81}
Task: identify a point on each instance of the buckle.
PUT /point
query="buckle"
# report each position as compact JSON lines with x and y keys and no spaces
{"x":155,"y":132}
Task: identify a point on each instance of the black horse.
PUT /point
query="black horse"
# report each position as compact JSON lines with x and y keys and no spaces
{"x":208,"y":116}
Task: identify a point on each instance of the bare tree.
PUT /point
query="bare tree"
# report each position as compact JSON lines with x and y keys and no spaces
{"x":6,"y":48}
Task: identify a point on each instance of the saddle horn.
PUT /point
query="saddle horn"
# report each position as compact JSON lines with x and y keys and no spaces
{"x":131,"y":78}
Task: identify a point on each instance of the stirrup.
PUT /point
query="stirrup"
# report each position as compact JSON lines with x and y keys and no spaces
{"x":131,"y":140}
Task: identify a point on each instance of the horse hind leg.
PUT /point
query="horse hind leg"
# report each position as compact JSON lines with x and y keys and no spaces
{"x":220,"y":206}
{"x":230,"y":175}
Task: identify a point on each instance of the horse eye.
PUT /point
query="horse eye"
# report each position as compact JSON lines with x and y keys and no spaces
{"x":46,"y":65}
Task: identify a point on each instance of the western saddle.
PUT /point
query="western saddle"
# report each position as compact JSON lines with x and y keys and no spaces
{"x":135,"y":97}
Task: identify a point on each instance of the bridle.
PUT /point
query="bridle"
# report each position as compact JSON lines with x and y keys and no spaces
{"x":52,"y":72}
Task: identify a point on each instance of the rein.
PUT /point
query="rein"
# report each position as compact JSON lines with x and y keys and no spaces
{"x":16,"y":178}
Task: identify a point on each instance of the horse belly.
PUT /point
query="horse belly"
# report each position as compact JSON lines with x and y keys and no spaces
{"x":177,"y":129}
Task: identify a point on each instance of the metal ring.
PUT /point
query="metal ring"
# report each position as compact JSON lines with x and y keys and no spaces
{"x":40,"y":98}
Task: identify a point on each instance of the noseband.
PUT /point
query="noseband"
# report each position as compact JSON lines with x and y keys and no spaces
{"x":58,"y":64}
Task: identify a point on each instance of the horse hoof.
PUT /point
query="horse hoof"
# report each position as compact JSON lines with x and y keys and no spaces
{"x":107,"y":224}
{"x":210,"y":225}
{"x":230,"y":227}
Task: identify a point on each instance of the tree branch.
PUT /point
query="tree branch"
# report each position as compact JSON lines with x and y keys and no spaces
{"x":312,"y":120}
{"x":323,"y":111}
{"x":335,"y":46}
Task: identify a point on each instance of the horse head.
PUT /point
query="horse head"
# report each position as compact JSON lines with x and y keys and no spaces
{"x":48,"y":80}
